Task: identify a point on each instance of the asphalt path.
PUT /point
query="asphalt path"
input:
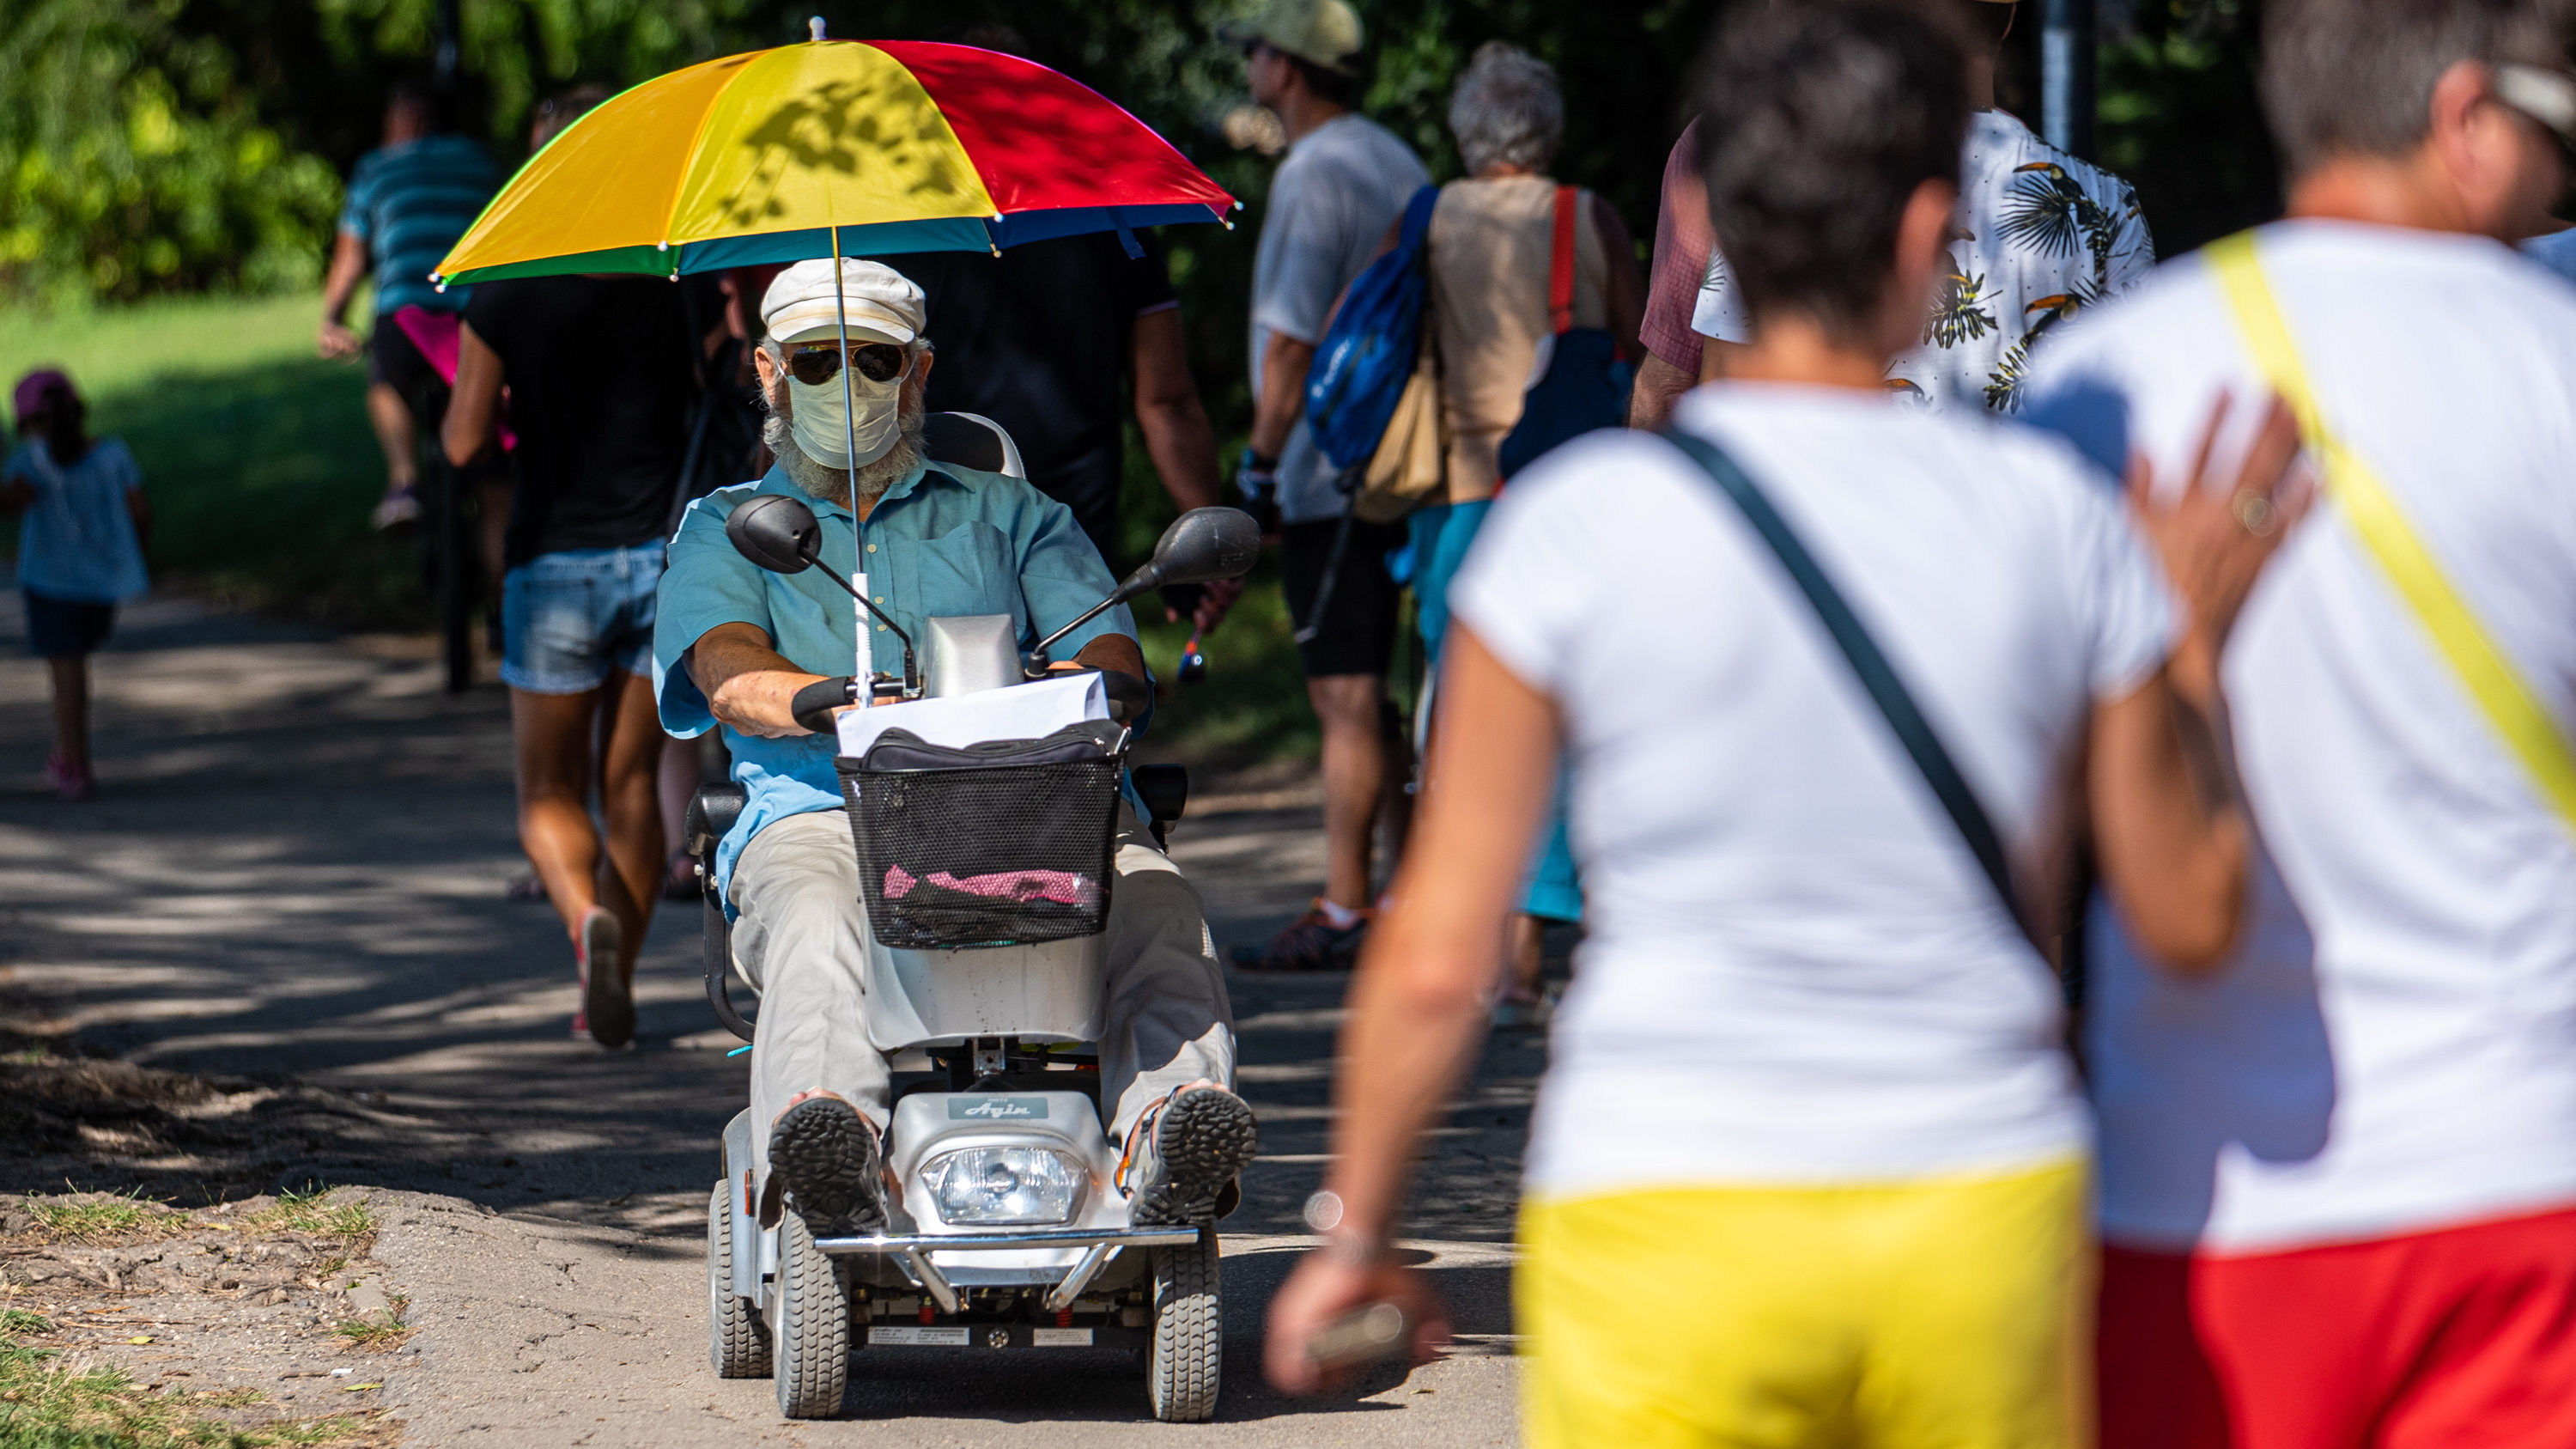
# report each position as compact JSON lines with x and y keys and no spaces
{"x":295,"y":868}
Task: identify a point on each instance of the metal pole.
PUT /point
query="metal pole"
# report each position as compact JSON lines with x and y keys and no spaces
{"x":2066,"y":75}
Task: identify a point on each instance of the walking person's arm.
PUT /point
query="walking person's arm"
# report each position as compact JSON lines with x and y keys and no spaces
{"x":1284,"y":361}
{"x":1177,"y":434}
{"x":2170,"y":826}
{"x":1419,"y":1003}
{"x":349,"y":266}
{"x":473,"y":402}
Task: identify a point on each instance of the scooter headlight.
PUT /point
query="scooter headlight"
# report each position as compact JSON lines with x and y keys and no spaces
{"x":1005,"y":1185}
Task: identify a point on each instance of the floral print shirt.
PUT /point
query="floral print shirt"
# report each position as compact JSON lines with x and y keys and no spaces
{"x":2040,"y":235}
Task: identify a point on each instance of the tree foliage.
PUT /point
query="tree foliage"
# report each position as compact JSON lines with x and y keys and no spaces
{"x":130,"y":164}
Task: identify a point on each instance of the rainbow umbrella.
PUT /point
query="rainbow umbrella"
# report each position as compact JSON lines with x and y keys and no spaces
{"x":831,"y":148}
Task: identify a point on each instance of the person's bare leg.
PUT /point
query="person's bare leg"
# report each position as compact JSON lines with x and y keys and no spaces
{"x":391,"y":417}
{"x":552,"y":733}
{"x":1524,"y":957}
{"x":1354,"y":770}
{"x":630,"y":874}
{"x":71,"y":708}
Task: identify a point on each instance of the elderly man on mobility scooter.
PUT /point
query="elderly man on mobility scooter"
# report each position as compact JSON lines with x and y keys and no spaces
{"x":739,"y":645}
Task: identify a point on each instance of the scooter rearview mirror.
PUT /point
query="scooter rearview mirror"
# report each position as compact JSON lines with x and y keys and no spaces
{"x":1202,"y":546}
{"x":1207,"y":544}
{"x":776,"y":532}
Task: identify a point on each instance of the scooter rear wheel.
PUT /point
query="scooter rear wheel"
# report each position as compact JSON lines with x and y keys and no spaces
{"x":737,"y":1341}
{"x":811,"y":1357}
{"x":1189,"y":1340}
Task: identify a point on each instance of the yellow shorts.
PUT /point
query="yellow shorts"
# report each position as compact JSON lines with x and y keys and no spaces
{"x":1946,"y":1313}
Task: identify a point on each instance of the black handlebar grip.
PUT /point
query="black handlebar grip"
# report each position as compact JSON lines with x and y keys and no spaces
{"x":813,"y":705}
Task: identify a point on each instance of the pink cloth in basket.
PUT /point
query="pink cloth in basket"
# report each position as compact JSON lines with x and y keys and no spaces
{"x":1061,"y":886}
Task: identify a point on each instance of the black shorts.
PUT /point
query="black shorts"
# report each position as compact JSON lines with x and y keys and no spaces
{"x":1356,"y":634}
{"x":393,"y":360}
{"x":65,"y":628}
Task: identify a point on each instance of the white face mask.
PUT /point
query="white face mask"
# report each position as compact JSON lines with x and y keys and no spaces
{"x":817,"y":417}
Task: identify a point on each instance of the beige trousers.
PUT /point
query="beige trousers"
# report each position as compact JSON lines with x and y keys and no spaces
{"x":797,"y":941}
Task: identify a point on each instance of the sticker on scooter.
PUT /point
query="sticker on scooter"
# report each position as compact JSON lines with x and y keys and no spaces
{"x":907,"y":1336}
{"x":997,"y":1109}
{"x":1059,"y":1338}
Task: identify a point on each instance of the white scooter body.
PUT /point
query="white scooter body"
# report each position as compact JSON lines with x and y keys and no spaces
{"x":1002,"y":1016}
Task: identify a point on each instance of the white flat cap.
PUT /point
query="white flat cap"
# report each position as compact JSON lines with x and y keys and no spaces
{"x":884,"y":304}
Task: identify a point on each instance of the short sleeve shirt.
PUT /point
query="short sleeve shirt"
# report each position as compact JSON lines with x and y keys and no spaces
{"x":1682,"y":248}
{"x":1794,"y":971}
{"x":2392,"y":1047}
{"x":1039,"y":340}
{"x":409,"y":204}
{"x":77,"y":541}
{"x":941,"y":542}
{"x":1343,"y":184}
{"x":2041,"y":236}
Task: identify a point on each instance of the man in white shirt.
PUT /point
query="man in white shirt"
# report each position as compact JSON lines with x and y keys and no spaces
{"x":2040,"y":236}
{"x":2339,"y":1178}
{"x":1345,"y":181}
{"x":1808,"y":1167}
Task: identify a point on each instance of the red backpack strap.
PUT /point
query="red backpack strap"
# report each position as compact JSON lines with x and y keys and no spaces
{"x":1560,"y":263}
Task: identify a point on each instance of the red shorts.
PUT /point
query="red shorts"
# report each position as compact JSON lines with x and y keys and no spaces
{"x":2443,"y":1340}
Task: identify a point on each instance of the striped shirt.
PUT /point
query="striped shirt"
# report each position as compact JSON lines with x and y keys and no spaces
{"x":409,"y":204}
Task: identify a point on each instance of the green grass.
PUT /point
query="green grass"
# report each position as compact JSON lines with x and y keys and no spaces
{"x":380,"y":1330}
{"x":315,"y":1213}
{"x":256,"y":453}
{"x":90,"y":1221}
{"x":46,"y":1406}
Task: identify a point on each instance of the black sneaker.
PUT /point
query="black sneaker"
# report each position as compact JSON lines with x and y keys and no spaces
{"x":825,"y":1155}
{"x":1183,"y":1155}
{"x":1309,"y":943}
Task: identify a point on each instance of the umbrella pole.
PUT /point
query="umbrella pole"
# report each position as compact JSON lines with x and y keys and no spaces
{"x":850,"y":443}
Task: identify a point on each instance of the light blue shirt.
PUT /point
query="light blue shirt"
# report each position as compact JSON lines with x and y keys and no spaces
{"x":941,"y":542}
{"x":2556,"y":251}
{"x":77,"y":543}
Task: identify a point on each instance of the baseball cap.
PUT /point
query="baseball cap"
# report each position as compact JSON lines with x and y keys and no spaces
{"x":29,"y":395}
{"x":884,"y":305}
{"x":1319,"y":32}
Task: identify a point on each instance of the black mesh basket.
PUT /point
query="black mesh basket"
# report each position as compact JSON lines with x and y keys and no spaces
{"x":997,"y":844}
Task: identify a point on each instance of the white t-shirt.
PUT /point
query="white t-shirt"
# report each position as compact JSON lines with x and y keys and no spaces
{"x":2416,"y":1066}
{"x":1795,"y":970}
{"x":2041,"y":235}
{"x":1343,"y":184}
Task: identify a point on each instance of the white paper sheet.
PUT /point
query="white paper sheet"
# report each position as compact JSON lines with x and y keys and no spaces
{"x":1021,"y":712}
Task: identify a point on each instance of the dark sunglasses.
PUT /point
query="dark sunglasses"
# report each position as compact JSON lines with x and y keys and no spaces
{"x":816,"y":363}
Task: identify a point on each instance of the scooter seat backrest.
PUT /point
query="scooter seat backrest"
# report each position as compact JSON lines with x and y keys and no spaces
{"x":971,"y":440}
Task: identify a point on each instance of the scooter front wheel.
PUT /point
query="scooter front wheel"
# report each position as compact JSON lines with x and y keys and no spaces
{"x":1189,"y":1337}
{"x":737,"y":1341}
{"x":811,"y":1355}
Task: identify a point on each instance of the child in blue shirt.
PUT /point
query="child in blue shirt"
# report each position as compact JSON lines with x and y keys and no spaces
{"x":80,"y":551}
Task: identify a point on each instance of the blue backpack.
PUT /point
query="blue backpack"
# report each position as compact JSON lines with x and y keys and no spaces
{"x":1368,"y":353}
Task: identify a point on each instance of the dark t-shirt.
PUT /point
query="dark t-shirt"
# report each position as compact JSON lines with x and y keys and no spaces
{"x":1037,"y":340}
{"x":600,"y":392}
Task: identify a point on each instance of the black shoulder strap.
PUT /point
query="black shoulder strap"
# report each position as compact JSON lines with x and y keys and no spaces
{"x":1876,"y":675}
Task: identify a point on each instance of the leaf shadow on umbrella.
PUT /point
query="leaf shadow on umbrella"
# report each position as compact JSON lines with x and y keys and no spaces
{"x":849,"y":127}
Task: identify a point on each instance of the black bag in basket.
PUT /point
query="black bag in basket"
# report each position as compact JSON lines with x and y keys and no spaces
{"x":1004,"y":843}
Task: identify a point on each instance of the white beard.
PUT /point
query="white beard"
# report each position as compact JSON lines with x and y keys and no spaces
{"x":823,"y":481}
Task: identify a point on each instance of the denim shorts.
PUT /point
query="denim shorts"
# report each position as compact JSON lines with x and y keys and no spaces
{"x":570,"y":619}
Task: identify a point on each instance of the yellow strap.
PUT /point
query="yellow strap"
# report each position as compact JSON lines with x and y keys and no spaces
{"x":2527,"y":728}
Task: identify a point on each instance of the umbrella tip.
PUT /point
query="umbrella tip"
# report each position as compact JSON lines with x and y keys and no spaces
{"x":814,"y":27}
